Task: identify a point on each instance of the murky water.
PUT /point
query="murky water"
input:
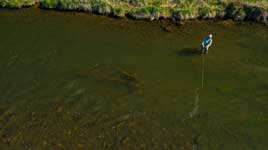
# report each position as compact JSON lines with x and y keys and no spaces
{"x":79,"y":81}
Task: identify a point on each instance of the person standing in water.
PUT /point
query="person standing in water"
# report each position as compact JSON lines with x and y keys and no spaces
{"x":206,"y":43}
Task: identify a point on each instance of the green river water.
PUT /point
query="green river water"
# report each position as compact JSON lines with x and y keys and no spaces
{"x":71,"y":81}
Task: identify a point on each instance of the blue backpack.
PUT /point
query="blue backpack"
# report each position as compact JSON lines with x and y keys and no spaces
{"x":206,"y":41}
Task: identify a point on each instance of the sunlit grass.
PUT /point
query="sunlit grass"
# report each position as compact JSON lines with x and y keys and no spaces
{"x":17,"y":3}
{"x":149,"y":9}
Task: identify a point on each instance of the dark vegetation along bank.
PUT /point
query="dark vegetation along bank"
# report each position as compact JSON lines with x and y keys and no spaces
{"x":177,"y":10}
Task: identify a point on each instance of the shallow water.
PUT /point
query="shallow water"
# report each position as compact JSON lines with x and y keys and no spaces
{"x":78,"y":81}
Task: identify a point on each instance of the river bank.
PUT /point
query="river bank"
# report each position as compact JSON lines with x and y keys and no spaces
{"x":246,"y":10}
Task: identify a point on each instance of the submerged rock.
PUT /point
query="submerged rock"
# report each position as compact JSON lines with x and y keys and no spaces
{"x":166,"y":28}
{"x":227,"y":23}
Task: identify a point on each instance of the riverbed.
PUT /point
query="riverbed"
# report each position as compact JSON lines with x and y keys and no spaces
{"x":81,"y":81}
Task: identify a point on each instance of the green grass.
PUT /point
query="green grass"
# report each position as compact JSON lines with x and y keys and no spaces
{"x":184,"y":9}
{"x":17,"y":3}
{"x":119,"y":11}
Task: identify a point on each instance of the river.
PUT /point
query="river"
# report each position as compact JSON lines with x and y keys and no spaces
{"x":81,"y":81}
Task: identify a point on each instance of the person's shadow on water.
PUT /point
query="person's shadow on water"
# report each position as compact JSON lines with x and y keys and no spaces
{"x":189,"y":51}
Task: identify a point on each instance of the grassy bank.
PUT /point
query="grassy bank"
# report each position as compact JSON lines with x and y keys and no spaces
{"x":17,"y":3}
{"x":256,"y":10}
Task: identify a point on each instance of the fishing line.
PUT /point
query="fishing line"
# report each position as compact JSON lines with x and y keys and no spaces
{"x":203,"y":70}
{"x":197,"y":93}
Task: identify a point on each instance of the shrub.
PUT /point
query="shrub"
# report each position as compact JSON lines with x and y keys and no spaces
{"x":48,"y":4}
{"x":204,"y":11}
{"x":157,"y":3}
{"x":256,"y":13}
{"x":101,"y":7}
{"x":232,"y":8}
{"x":119,"y":12}
{"x":184,"y":13}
